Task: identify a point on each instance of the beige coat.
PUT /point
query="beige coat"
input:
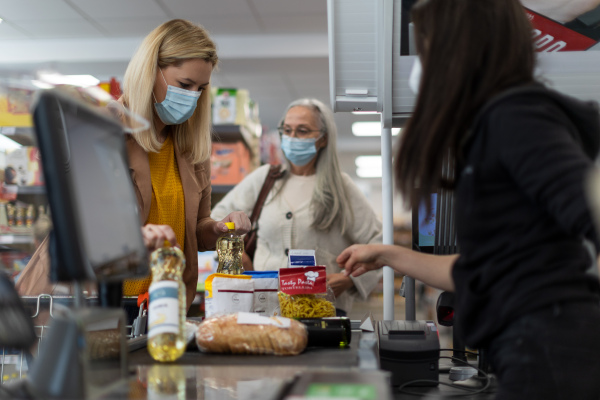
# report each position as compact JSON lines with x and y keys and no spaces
{"x":280,"y":230}
{"x":195,"y":180}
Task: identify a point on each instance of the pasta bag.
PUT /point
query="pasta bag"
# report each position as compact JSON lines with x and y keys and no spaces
{"x":303,"y":293}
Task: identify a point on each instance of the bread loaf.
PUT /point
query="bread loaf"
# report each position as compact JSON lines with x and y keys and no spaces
{"x":223,"y":334}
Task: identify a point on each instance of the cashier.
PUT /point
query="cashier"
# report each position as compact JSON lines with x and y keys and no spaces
{"x":314,"y":206}
{"x":521,"y":153}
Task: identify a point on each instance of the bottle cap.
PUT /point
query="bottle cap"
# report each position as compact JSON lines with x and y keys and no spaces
{"x":230,"y":225}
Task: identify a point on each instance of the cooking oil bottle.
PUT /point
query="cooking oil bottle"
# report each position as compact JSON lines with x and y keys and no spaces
{"x":230,"y":248}
{"x":166,"y":310}
{"x":166,"y":382}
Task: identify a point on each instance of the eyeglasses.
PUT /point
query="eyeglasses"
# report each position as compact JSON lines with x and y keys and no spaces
{"x":301,"y":132}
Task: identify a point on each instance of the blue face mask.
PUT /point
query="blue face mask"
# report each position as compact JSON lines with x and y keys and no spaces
{"x":178,"y":105}
{"x":298,"y":151}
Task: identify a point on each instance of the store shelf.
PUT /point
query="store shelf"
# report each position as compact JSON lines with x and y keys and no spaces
{"x":234,"y":133}
{"x":15,"y":189}
{"x":23,"y":136}
{"x":222,"y":188}
{"x":16,"y":239}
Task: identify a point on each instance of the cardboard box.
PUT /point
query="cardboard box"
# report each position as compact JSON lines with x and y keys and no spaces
{"x":230,"y":163}
{"x":23,"y":167}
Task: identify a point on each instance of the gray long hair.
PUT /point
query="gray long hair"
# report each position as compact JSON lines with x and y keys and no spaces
{"x":329,"y":200}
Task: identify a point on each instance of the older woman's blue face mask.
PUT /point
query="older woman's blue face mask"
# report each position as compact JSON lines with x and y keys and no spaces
{"x":301,"y":137}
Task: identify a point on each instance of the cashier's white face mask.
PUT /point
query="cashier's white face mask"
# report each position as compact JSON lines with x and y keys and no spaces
{"x":414,"y":80}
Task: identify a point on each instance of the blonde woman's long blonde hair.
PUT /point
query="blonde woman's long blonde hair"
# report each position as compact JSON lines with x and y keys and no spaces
{"x":171,"y":43}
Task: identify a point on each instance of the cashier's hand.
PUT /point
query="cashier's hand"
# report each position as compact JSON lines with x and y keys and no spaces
{"x":359,"y":258}
{"x":239,"y":218}
{"x":156,"y":235}
{"x":339,"y":283}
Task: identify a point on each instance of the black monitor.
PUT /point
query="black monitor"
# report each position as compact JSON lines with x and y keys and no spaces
{"x":96,"y":228}
{"x":434,"y":230}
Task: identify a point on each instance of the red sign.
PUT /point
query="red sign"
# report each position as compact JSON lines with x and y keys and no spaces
{"x":303,"y":280}
{"x":550,"y":36}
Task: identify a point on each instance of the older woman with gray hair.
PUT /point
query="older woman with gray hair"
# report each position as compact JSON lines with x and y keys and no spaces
{"x":314,"y":206}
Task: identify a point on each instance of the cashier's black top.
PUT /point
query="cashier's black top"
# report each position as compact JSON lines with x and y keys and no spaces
{"x":521,"y":212}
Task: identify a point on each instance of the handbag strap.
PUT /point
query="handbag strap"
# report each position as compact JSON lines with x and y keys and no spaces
{"x":274,"y":173}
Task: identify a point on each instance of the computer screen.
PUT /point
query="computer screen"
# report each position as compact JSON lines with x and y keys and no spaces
{"x":424,"y":224}
{"x":96,"y":228}
{"x":434,"y":230}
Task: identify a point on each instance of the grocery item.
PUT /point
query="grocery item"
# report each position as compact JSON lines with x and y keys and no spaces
{"x":230,"y":248}
{"x":166,"y":382}
{"x":303,"y":293}
{"x":248,"y":333}
{"x":328,"y":332}
{"x":228,"y":294}
{"x":167,"y":307}
{"x":266,"y":284}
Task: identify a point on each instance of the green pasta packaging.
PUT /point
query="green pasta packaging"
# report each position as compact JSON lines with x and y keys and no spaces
{"x":303,"y":293}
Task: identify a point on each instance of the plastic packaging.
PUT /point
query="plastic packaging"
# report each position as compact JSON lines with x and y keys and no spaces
{"x":167,"y":307}
{"x":228,"y":294}
{"x":249,"y":333}
{"x":230,"y":248}
{"x":266,"y":285}
{"x":304,"y":293}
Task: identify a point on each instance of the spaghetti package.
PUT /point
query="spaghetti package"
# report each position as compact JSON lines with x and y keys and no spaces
{"x":303,"y":293}
{"x":266,"y":284}
{"x":228,"y":294}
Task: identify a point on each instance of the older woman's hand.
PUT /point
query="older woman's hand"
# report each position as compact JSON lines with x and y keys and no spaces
{"x":239,"y":218}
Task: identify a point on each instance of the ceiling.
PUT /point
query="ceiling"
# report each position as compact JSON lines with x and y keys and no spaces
{"x":277,"y":49}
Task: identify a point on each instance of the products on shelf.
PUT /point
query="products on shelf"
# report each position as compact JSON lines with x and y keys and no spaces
{"x":230,"y":163}
{"x":23,"y":167}
{"x":14,"y":106}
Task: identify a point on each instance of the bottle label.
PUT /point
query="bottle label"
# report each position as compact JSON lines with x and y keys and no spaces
{"x":163,"y":310}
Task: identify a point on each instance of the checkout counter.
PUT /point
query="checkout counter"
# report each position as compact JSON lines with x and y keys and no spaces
{"x":353,"y":371}
{"x":67,"y":128}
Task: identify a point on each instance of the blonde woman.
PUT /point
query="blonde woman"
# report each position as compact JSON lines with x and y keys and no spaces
{"x":314,"y":206}
{"x":168,"y":82}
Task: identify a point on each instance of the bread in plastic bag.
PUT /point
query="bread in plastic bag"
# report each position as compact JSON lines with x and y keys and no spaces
{"x":248,"y":333}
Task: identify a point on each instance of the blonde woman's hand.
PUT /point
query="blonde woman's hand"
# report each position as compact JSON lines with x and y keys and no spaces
{"x":156,"y":235}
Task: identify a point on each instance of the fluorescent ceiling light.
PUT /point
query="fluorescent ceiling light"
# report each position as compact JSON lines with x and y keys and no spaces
{"x":368,"y":166}
{"x":41,"y":85}
{"x":8,"y":144}
{"x":370,"y":128}
{"x":364,"y":112}
{"x":1,"y":20}
{"x":76,"y":80}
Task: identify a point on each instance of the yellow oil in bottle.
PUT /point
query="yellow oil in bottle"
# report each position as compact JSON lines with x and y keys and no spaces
{"x":230,"y":248}
{"x":166,"y":382}
{"x":167,"y":307}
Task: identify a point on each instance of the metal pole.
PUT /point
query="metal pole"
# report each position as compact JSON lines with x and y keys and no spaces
{"x":388,"y":220}
{"x":385,"y":51}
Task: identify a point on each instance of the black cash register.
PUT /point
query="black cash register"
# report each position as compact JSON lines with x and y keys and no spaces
{"x":410,"y":350}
